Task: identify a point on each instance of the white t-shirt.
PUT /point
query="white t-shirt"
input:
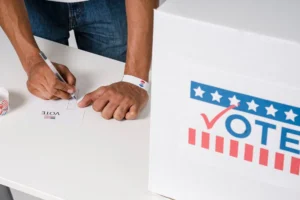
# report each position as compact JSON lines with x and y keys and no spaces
{"x":68,"y":1}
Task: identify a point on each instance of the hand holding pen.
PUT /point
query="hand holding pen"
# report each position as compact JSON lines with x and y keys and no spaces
{"x":54,"y":70}
{"x":45,"y":83}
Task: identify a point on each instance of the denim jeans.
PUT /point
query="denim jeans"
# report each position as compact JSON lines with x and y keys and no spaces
{"x":100,"y":26}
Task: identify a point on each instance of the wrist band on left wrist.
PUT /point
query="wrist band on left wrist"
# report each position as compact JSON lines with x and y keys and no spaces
{"x":136,"y":81}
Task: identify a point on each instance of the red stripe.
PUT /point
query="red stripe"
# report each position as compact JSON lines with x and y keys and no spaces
{"x":234,"y":148}
{"x":192,"y":136}
{"x":295,"y":166}
{"x":4,"y":103}
{"x":263,"y":157}
{"x":219,"y":144}
{"x":205,"y":140}
{"x":279,"y":161}
{"x":248,"y":153}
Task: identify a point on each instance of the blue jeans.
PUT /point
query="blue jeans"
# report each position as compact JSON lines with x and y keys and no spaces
{"x":100,"y":26}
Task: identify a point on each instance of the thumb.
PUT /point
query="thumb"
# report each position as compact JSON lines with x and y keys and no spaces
{"x":86,"y":101}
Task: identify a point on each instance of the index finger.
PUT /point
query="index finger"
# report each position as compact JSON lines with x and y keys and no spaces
{"x":91,"y":97}
{"x":67,"y":75}
{"x":86,"y":101}
{"x":64,"y":87}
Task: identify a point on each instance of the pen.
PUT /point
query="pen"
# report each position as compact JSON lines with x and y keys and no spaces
{"x":53,"y":69}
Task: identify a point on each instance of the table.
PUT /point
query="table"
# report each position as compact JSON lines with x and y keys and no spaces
{"x":99,"y":160}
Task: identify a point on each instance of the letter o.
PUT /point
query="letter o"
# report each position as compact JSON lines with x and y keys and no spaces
{"x":228,"y":122}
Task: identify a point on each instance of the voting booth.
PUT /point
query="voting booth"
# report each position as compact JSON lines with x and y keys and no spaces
{"x":225,"y":118}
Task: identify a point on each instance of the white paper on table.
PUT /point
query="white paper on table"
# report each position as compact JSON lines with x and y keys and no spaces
{"x":56,"y":111}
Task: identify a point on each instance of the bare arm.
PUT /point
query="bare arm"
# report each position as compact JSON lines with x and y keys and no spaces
{"x":15,"y":23}
{"x":125,"y":100}
{"x":140,"y":33}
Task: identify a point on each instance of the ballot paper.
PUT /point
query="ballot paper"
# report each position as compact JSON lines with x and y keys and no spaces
{"x":56,"y":112}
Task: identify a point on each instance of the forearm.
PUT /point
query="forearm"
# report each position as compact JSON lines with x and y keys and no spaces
{"x":140,"y":35}
{"x":15,"y":23}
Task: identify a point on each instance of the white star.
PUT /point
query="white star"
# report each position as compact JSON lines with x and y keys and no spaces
{"x":216,"y":96}
{"x":199,"y":92}
{"x":271,"y":110}
{"x":234,"y":101}
{"x":252,"y":105}
{"x":290,"y":115}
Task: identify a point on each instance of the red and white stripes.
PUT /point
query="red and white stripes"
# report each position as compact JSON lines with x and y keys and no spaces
{"x":3,"y":107}
{"x":264,"y":158}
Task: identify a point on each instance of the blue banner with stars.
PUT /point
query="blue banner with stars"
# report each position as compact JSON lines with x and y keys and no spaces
{"x":245,"y":103}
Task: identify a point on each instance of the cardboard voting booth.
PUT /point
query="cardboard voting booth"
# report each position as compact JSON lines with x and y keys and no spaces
{"x":226,"y":100}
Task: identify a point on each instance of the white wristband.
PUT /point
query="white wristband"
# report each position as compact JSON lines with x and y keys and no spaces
{"x":136,"y":81}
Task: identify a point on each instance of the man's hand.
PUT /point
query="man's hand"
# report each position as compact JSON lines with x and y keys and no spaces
{"x":44,"y":84}
{"x":120,"y":101}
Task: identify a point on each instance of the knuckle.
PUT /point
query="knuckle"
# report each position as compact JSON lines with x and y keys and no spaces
{"x":110,"y":91}
{"x":64,"y":66}
{"x":130,"y":102}
{"x":127,"y":99}
{"x":115,"y":101}
{"x":121,"y":109}
{"x":89,"y":95}
{"x":64,"y":86}
{"x":96,"y":108}
{"x":119,"y":97}
{"x":103,"y":89}
{"x":113,"y":104}
{"x":53,"y":91}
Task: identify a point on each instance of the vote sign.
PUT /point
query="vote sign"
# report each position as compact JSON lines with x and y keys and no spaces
{"x":261,"y":135}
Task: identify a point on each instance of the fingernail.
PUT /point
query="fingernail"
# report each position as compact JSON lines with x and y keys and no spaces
{"x":70,"y":91}
{"x":80,"y":104}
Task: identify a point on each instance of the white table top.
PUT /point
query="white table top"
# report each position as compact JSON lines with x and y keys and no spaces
{"x":99,"y":160}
